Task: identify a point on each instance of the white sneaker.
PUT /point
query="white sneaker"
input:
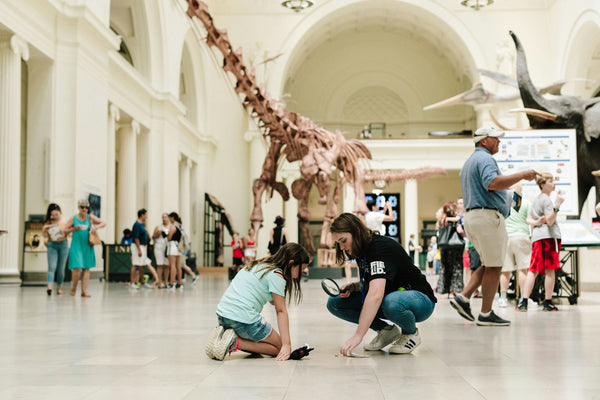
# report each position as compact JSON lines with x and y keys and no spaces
{"x":503,"y":302}
{"x":532,"y":305}
{"x":134,"y":286}
{"x":214,"y":337}
{"x":406,"y":343}
{"x":384,"y":337}
{"x":148,"y":286}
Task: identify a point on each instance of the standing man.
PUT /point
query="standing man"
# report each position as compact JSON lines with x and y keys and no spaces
{"x":414,"y":249}
{"x":487,"y":204}
{"x":139,"y":257}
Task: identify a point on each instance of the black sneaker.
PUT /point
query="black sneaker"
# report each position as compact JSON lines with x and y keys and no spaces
{"x":548,"y":306}
{"x":463,"y":308}
{"x":522,"y":306}
{"x":492,"y":320}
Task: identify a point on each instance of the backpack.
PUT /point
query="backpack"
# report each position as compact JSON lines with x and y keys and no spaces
{"x":184,"y":245}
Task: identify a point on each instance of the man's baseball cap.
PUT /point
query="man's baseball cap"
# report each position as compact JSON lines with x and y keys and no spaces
{"x":487,"y":131}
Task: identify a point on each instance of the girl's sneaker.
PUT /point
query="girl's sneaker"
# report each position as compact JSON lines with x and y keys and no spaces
{"x":227,"y":343}
{"x":214,"y":338}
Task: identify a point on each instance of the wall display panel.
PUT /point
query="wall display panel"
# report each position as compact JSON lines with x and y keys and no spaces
{"x":391,"y":228}
{"x":546,"y":151}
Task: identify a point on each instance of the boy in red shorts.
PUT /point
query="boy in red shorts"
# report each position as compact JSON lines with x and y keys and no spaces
{"x":545,"y":238}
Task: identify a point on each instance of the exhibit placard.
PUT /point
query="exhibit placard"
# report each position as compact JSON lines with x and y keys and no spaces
{"x":551,"y":151}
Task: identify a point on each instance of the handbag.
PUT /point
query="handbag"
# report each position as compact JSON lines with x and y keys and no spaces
{"x":448,"y":237}
{"x":93,"y":237}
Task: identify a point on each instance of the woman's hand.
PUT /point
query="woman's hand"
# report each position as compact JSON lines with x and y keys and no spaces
{"x":346,"y":349}
{"x":346,"y":290}
{"x":284,"y":353}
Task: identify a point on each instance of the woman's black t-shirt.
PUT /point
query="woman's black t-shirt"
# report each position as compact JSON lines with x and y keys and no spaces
{"x":386,"y":259}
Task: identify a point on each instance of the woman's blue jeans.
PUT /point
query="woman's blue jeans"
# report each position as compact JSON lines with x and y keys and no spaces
{"x":57,"y":259}
{"x":404,"y":308}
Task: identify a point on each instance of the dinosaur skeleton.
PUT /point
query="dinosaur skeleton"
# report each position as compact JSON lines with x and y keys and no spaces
{"x":291,"y":137}
{"x":297,"y":138}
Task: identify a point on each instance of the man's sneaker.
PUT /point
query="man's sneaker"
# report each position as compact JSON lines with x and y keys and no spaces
{"x":387,"y":335}
{"x":522,"y":306}
{"x":463,"y":307}
{"x":548,"y":306}
{"x":503,"y":302}
{"x":194,"y":279}
{"x":406,"y":343}
{"x":214,"y":337}
{"x":225,"y":344}
{"x":492,"y":320}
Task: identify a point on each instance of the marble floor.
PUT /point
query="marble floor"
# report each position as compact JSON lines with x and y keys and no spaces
{"x":149,"y":344}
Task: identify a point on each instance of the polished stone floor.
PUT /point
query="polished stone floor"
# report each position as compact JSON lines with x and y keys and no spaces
{"x":149,"y":344}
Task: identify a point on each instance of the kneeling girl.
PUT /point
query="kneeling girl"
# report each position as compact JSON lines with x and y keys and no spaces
{"x":241,"y":327}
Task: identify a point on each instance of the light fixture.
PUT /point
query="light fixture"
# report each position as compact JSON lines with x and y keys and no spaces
{"x":297,"y":5}
{"x":379,"y":186}
{"x":476,"y":4}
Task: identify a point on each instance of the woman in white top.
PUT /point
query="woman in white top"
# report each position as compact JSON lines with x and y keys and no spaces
{"x":161,"y":232}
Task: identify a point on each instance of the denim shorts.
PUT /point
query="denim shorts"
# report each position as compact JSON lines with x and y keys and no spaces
{"x":255,"y":332}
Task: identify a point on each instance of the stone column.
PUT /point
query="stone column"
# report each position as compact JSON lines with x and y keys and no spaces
{"x":184,"y":192}
{"x":411,"y":212}
{"x":126,"y":176}
{"x":12,"y":50}
{"x":112,"y":234}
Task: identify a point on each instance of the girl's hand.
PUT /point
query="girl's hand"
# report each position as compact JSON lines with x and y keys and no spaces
{"x":284,"y":353}
{"x":346,"y":349}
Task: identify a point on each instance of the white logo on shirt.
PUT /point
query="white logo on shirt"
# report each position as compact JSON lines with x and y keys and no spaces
{"x":377,"y":268}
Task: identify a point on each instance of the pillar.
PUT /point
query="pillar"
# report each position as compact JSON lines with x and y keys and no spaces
{"x":112,"y":234}
{"x":12,"y":50}
{"x":184,"y":191}
{"x":126,"y":176}
{"x":411,"y":212}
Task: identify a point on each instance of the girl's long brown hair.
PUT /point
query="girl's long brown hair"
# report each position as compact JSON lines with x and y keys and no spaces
{"x":281,"y":260}
{"x":361,"y":236}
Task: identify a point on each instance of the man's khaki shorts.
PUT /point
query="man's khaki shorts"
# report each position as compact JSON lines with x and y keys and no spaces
{"x":487,"y":231}
{"x":518,"y":253}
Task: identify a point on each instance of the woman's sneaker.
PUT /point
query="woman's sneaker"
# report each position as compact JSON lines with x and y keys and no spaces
{"x":384,"y":337}
{"x":406,"y":343}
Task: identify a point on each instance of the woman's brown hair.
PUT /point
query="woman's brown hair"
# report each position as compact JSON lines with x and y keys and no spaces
{"x":281,"y":260}
{"x":361,"y":235}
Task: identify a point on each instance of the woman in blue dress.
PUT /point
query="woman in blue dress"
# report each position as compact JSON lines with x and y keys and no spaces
{"x":81,"y":255}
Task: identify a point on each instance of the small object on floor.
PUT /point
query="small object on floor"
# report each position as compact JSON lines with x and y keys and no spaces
{"x":301,"y":352}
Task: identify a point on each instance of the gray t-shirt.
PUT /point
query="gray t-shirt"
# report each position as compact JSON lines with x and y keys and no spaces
{"x":542,"y":205}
